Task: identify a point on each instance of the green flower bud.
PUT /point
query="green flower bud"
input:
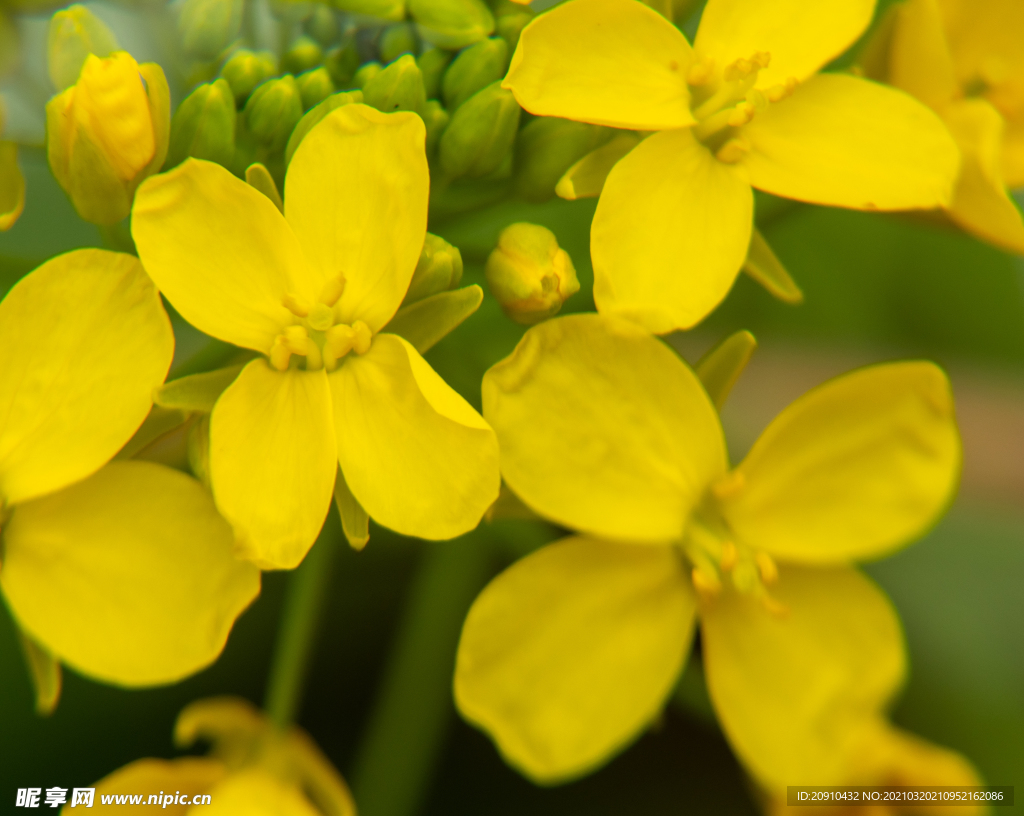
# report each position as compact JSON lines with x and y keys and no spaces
{"x":384,"y":9}
{"x":439,"y":269}
{"x":322,"y":25}
{"x":397,"y":87}
{"x":74,"y":34}
{"x":314,"y":116}
{"x":273,"y":111}
{"x":207,"y":27}
{"x":246,"y":70}
{"x":343,"y":62}
{"x":432,"y":63}
{"x":314,"y":87}
{"x":452,"y":23}
{"x":529,"y":275}
{"x":549,"y":146}
{"x":291,"y":12}
{"x":436,"y":118}
{"x":303,"y":55}
{"x":474,"y":68}
{"x":480,"y":134}
{"x":396,"y":40}
{"x":366,"y":72}
{"x":204,"y":126}
{"x":510,"y":26}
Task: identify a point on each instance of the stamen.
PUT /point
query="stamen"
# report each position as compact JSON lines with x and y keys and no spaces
{"x":280,"y":354}
{"x":296,"y":304}
{"x":337,"y":344}
{"x":741,"y":114}
{"x":332,"y":290}
{"x":362,"y":338}
{"x":704,"y":583}
{"x":766,"y":566}
{"x":295,"y":338}
{"x":730,"y":485}
{"x":314,"y":361}
{"x":700,"y":72}
{"x":773,"y":606}
{"x":730,"y":556}
{"x":777,"y":93}
{"x":733,"y":151}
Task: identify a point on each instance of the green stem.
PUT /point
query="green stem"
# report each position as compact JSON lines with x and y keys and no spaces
{"x":413,"y":710}
{"x":303,"y":603}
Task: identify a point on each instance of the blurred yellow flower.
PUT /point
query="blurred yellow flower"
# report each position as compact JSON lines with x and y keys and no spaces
{"x":305,"y":289}
{"x":743,"y":107}
{"x":108,"y":132}
{"x":966,"y":62}
{"x":255,"y":769}
{"x":125,"y":571}
{"x":570,"y":653}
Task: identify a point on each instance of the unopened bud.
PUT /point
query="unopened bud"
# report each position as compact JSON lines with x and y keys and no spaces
{"x":245,"y":71}
{"x":384,"y":9}
{"x":480,"y":135}
{"x":432,"y":64}
{"x":343,"y":62}
{"x":529,"y":275}
{"x":396,"y":40}
{"x":549,"y":146}
{"x":510,"y":26}
{"x":366,"y":72}
{"x":322,"y":25}
{"x":436,"y":118}
{"x":314,"y":87}
{"x":204,"y":126}
{"x":273,"y":111}
{"x":207,"y":27}
{"x":303,"y":55}
{"x":397,"y":87}
{"x":313,"y":117}
{"x":108,"y":132}
{"x":474,"y":68}
{"x":439,"y":269}
{"x":452,"y":23}
{"x":75,"y":33}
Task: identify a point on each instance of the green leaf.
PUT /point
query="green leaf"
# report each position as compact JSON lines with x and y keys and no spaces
{"x":721,"y":367}
{"x":196,"y":392}
{"x":427,"y":321}
{"x":767,"y":270}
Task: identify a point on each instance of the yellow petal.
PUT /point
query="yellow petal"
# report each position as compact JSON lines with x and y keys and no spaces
{"x":795,"y":691}
{"x":571,"y":652}
{"x":220,"y":252}
{"x":670,"y":233}
{"x":272,"y":461}
{"x":92,"y":341}
{"x":609,"y":62}
{"x":356,"y":196}
{"x":919,"y":58}
{"x":850,"y":142}
{"x":603,"y":428}
{"x":853,"y":469}
{"x":128,"y":576}
{"x":981,"y":204}
{"x":415,"y":455}
{"x":146,"y":777}
{"x":801,"y":36}
{"x":255,"y":792}
{"x":895,"y":757}
{"x":12,"y":186}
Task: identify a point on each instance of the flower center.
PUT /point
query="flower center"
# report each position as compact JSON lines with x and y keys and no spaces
{"x":318,"y":337}
{"x":723,"y":106}
{"x":717,"y":559}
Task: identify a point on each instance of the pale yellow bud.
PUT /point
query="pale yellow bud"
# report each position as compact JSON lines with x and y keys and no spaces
{"x":529,"y":275}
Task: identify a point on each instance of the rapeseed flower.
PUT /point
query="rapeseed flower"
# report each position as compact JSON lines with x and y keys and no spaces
{"x":312,"y":291}
{"x":254,"y":769}
{"x":965,"y":61}
{"x":571,"y":652}
{"x":743,"y":107}
{"x":123,"y":571}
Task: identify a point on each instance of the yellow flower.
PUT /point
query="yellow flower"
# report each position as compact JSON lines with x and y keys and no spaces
{"x":743,"y":107}
{"x":570,"y":653}
{"x":255,"y":769}
{"x":312,"y":290}
{"x":965,"y":61}
{"x":125,"y":571}
{"x":108,"y":132}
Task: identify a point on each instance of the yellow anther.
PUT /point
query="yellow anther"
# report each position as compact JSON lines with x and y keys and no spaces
{"x":332,"y":290}
{"x":741,"y":114}
{"x":321,"y":317}
{"x":295,"y":339}
{"x":279,"y":354}
{"x":732,"y":151}
{"x":777,"y":93}
{"x":296,"y":304}
{"x":362,"y":337}
{"x":704,"y":582}
{"x":758,"y":100}
{"x":740,"y":69}
{"x":337,"y":344}
{"x":762,"y":59}
{"x":766,"y":566}
{"x":731,"y":484}
{"x":700,"y":72}
{"x":730,"y":556}
{"x":774,"y":607}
